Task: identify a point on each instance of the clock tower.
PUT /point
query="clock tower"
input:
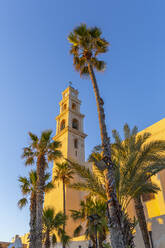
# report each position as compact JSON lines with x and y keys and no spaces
{"x":70,"y":132}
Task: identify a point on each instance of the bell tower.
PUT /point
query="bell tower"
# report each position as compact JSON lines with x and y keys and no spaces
{"x":69,"y":131}
{"x":69,"y":128}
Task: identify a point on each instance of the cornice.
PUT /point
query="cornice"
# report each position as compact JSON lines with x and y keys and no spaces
{"x":69,"y":98}
{"x":69,"y":110}
{"x":71,"y":130}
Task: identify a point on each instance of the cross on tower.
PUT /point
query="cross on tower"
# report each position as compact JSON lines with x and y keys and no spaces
{"x":70,"y":83}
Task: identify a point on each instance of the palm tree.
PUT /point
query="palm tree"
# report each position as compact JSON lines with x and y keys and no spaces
{"x":53,"y":222}
{"x":42,"y":150}
{"x":86,"y":45}
{"x":138,"y":159}
{"x":92,"y":214}
{"x":29,"y":190}
{"x":63,"y":172}
{"x":93,"y":182}
{"x":136,"y":162}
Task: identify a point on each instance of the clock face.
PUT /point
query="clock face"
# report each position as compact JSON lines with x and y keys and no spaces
{"x":65,"y":94}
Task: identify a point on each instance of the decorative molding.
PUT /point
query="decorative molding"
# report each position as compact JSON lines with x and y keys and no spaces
{"x":72,"y":130}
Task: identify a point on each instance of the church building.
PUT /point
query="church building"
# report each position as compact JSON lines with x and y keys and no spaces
{"x":70,"y":132}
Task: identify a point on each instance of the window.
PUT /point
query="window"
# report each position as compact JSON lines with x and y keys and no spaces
{"x":73,"y":106}
{"x":75,"y":124}
{"x":64,"y":107}
{"x":62,"y":126}
{"x":75,"y":143}
{"x":148,"y":197}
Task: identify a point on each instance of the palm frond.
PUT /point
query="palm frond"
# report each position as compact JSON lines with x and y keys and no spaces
{"x":33,"y":178}
{"x":127,"y":132}
{"x":34,"y":140}
{"x":53,"y":155}
{"x":60,"y":219}
{"x":81,"y":30}
{"x":91,"y":189}
{"x":25,"y":185}
{"x":45,"y":139}
{"x":150,"y":149}
{"x":47,"y":176}
{"x":23,"y":180}
{"x":29,"y":161}
{"x":28,"y":154}
{"x":99,"y":174}
{"x":54,"y":239}
{"x":48,"y":187}
{"x":84,"y":72}
{"x":95,"y":32}
{"x":146,"y":188}
{"x":22,"y":202}
{"x":154,"y":168}
{"x":33,"y":137}
{"x":78,"y":231}
{"x":134,"y":131}
{"x":73,"y":39}
{"x":54,"y":145}
{"x":64,"y":238}
{"x":75,"y":214}
{"x":116,"y":136}
{"x":99,"y":65}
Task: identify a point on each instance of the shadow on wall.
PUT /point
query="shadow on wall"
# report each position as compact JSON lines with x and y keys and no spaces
{"x":156,"y":226}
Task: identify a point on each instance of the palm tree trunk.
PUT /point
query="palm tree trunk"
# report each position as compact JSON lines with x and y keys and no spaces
{"x":93,"y":239}
{"x":47,"y":241}
{"x":142,"y":221}
{"x":40,"y":199}
{"x":114,"y":209}
{"x":32,"y":242}
{"x":101,"y":238}
{"x":64,"y":206}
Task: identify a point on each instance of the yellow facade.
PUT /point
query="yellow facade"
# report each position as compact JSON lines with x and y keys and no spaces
{"x":156,"y":206}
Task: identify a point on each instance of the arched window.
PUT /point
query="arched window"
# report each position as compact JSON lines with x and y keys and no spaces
{"x":75,"y":143}
{"x":64,"y":107}
{"x":62,"y":126}
{"x":75,"y":124}
{"x":73,"y":106}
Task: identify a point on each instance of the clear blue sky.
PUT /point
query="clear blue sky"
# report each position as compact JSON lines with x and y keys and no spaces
{"x":35,"y":67}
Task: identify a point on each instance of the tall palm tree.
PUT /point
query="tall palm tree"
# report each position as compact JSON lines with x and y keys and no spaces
{"x":41,"y":150}
{"x":29,"y":190}
{"x":92,"y":214}
{"x":86,"y":45}
{"x":63,"y":173}
{"x":52,"y":222}
{"x":138,"y":159}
